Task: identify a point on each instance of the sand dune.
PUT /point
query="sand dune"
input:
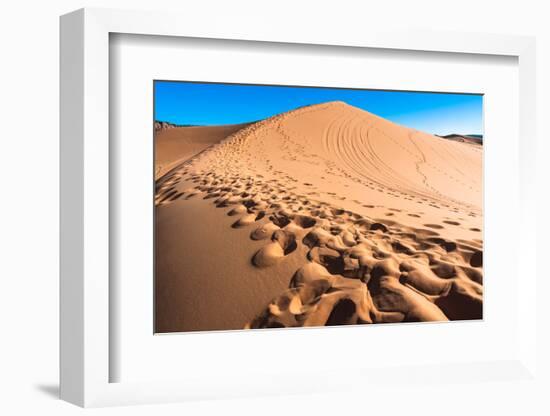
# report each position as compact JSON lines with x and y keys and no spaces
{"x":175,"y":143}
{"x":325,"y":215}
{"x":474,"y":140}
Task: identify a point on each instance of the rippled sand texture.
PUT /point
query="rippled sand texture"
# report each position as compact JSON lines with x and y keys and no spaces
{"x":325,"y":215}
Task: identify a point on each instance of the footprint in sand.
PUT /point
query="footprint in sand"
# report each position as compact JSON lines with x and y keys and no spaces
{"x":327,"y":257}
{"x":283,"y":243}
{"x":280,"y":220}
{"x":377,"y":226}
{"x":265,"y":231}
{"x":434,"y":226}
{"x":248,"y":219}
{"x":304,"y":221}
{"x":451,"y":222}
{"x":477,"y":259}
{"x":240,"y":209}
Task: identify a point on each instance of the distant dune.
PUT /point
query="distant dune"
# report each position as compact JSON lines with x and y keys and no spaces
{"x":325,"y":215}
{"x":175,"y":143}
{"x":472,"y":139}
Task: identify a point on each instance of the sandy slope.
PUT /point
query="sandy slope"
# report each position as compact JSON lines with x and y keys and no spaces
{"x":180,"y":143}
{"x":324,"y":215}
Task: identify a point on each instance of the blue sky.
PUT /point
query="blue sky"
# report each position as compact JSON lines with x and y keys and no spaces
{"x":216,"y":103}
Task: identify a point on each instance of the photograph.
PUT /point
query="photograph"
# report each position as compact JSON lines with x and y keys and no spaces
{"x":279,"y":206}
{"x":254,"y":209}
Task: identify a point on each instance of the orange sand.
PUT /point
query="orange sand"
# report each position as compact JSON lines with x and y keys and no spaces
{"x":325,"y":215}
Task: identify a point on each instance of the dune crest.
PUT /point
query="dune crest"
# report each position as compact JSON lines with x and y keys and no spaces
{"x":381,"y":223}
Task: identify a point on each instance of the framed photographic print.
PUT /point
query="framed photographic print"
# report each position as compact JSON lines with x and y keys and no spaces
{"x":248,"y":215}
{"x":283,"y":206}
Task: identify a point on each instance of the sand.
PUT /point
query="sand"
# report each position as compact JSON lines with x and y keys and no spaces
{"x":174,"y":143}
{"x":325,"y":215}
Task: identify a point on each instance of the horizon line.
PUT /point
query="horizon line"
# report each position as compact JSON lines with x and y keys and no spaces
{"x":196,"y":103}
{"x":311,"y":105}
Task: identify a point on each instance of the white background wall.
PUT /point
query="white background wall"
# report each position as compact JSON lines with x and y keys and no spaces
{"x":29,"y":205}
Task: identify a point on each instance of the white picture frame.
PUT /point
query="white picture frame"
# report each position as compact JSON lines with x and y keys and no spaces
{"x":85,"y":213}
